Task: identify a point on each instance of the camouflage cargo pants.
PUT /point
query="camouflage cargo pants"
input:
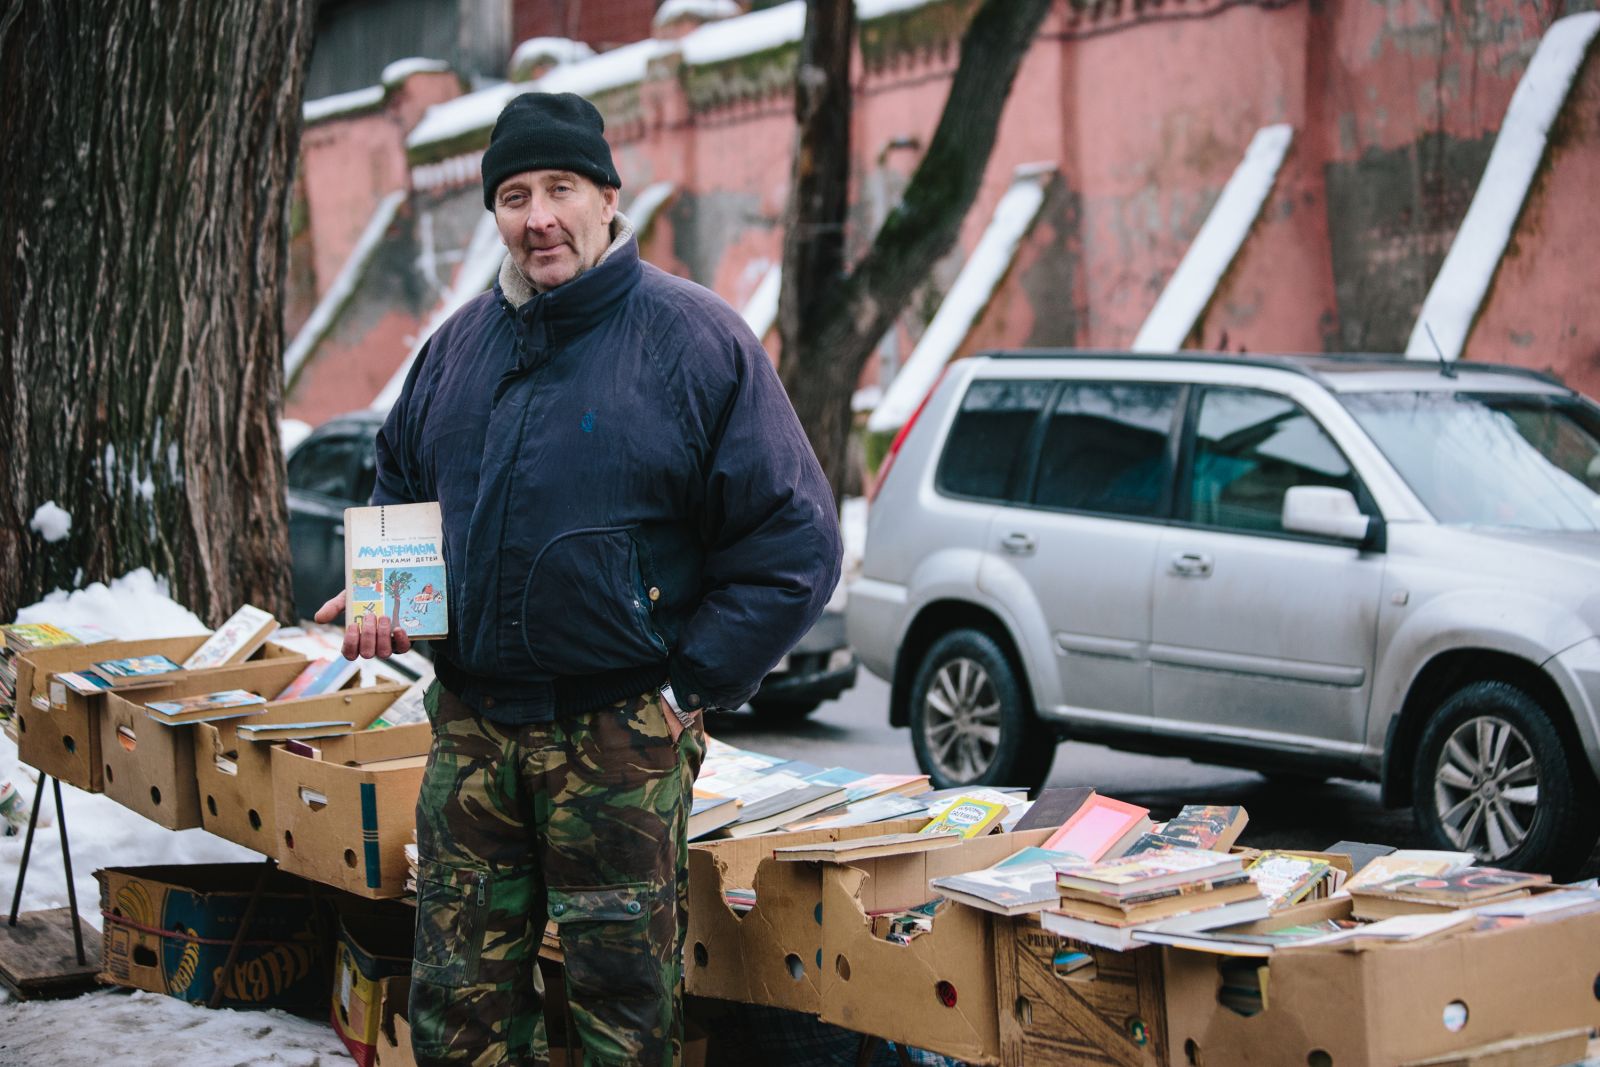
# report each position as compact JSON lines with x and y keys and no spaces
{"x":582,"y":820}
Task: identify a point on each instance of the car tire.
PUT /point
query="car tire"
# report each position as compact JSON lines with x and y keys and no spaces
{"x":979,"y":728}
{"x":785,"y":711}
{"x":1492,"y":776}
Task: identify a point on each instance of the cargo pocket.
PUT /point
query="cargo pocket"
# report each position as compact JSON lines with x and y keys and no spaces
{"x":585,"y":607}
{"x":605,"y":936}
{"x":452,"y":909}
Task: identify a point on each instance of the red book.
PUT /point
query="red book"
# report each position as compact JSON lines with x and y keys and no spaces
{"x":1102,"y":829}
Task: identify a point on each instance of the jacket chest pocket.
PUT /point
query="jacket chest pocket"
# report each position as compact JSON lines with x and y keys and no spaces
{"x":587,"y":607}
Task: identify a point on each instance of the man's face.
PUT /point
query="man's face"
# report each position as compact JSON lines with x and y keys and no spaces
{"x":556,"y":224}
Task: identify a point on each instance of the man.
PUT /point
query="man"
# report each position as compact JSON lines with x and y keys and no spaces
{"x":628,"y":500}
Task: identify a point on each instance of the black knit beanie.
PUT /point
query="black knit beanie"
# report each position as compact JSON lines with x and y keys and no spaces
{"x":547,"y":131}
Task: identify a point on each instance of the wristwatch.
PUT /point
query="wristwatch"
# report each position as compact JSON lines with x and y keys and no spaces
{"x":685,"y":718}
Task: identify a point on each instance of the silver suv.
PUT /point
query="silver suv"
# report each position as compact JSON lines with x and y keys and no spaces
{"x":1309,"y":566}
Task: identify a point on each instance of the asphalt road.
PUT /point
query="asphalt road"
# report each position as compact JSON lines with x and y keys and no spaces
{"x":854,"y":732}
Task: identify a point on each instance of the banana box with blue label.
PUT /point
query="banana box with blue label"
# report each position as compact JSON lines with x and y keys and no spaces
{"x":168,"y":930}
{"x":372,"y":950}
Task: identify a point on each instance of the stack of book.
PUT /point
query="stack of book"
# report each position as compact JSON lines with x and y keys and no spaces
{"x":1412,"y":894}
{"x":22,"y":637}
{"x":1106,"y":903}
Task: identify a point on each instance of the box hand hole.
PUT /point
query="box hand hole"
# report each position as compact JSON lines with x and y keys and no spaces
{"x":1455,"y":1016}
{"x":1318,"y":1058}
{"x":313,"y":799}
{"x":796,"y":969}
{"x":126,"y":738}
{"x":700,"y":954}
{"x":143,"y":956}
{"x":841,"y":967}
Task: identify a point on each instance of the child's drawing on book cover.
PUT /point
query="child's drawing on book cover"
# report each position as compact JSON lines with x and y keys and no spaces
{"x":416,"y":598}
{"x":366,"y":593}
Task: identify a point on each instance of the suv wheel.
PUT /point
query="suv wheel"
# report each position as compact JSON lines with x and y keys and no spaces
{"x":1492,"y":777}
{"x":971,"y":720}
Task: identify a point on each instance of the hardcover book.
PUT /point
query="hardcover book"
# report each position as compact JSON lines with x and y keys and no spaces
{"x":1148,"y":872}
{"x":1054,"y":807}
{"x":1102,"y":829}
{"x":235,"y":640}
{"x":1209,"y":826}
{"x":394,"y":566}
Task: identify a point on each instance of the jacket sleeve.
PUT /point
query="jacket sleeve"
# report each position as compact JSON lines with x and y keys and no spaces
{"x":771,"y":534}
{"x":397,"y":479}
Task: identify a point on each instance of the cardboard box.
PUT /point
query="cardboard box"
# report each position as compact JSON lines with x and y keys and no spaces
{"x":234,"y":774}
{"x":771,"y":955}
{"x":64,"y":742}
{"x":1365,"y":1003}
{"x":345,"y":817}
{"x":168,"y":930}
{"x":392,"y":1048}
{"x":149,"y":766}
{"x":938,"y":991}
{"x":371,"y":950}
{"x":1109,"y":1013}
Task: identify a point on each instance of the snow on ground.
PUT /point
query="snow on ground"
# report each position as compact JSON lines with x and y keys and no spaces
{"x":51,"y":522}
{"x":1452,"y":303}
{"x":1195,"y":282}
{"x":149,"y":1030}
{"x":342,"y":104}
{"x":135,"y":605}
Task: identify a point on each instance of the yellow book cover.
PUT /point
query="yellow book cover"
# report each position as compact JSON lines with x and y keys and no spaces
{"x":969,"y":817}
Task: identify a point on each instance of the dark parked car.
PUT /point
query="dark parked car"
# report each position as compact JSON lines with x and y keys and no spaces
{"x":334,"y":468}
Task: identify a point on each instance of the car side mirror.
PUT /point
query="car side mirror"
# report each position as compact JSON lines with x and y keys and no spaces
{"x":1323,"y":511}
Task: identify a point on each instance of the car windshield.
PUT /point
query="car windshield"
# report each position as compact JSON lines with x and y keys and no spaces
{"x":1499,"y":459}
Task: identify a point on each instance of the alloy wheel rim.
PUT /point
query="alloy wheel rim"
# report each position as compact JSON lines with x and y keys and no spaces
{"x":1486,"y":787}
{"x":961,"y":720}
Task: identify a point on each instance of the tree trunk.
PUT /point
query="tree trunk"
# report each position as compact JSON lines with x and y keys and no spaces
{"x":830,"y":322}
{"x":147,"y":149}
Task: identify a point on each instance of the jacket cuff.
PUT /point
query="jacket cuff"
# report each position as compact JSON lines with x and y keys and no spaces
{"x":687,"y":689}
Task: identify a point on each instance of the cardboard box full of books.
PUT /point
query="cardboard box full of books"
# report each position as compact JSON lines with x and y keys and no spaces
{"x":371,"y":950}
{"x":58,"y":730}
{"x":149,"y":765}
{"x":346,"y":813}
{"x":1069,"y":1002}
{"x":168,"y":930}
{"x":233,"y":766}
{"x":933,"y":989}
{"x":771,"y":952}
{"x":1364,"y":1003}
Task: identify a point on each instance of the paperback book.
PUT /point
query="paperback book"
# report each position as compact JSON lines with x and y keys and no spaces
{"x":394,"y":566}
{"x":1102,"y":828}
{"x":1209,"y":826}
{"x":235,"y":640}
{"x":1022,"y":882}
{"x":968,"y":816}
{"x":205,"y":707}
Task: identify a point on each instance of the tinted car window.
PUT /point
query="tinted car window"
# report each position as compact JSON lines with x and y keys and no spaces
{"x":984,"y":450}
{"x":1105,"y":448}
{"x":1250,"y":448}
{"x":325,"y":467}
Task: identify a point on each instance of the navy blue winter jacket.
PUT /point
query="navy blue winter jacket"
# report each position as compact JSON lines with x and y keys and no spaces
{"x":627,"y":495}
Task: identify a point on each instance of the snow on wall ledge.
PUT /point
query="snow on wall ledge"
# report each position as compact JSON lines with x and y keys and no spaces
{"x":973,"y":289}
{"x":1195,"y":282}
{"x":1452,"y":303}
{"x":343,"y":287}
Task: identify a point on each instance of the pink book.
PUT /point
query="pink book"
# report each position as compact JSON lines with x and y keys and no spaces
{"x":1102,"y":829}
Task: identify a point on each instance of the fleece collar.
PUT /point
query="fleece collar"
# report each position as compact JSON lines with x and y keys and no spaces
{"x":515,"y":286}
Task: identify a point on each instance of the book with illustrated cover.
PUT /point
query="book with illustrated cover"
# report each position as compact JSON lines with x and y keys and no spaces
{"x":407,"y":709}
{"x":1147,"y":872}
{"x":968,"y":816}
{"x":205,"y":707}
{"x":1456,"y":888}
{"x":300,"y":731}
{"x":1022,"y":882}
{"x":1163,"y":905}
{"x":134,"y":671}
{"x":321,"y":676}
{"x":1408,"y":861}
{"x":25,"y":636}
{"x":394,"y":566}
{"x":88,"y":683}
{"x":1287,"y":877}
{"x":235,"y":640}
{"x":1214,"y":827}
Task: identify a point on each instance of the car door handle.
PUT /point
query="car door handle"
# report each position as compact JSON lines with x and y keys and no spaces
{"x":1019,"y":544}
{"x":1191,"y":565}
